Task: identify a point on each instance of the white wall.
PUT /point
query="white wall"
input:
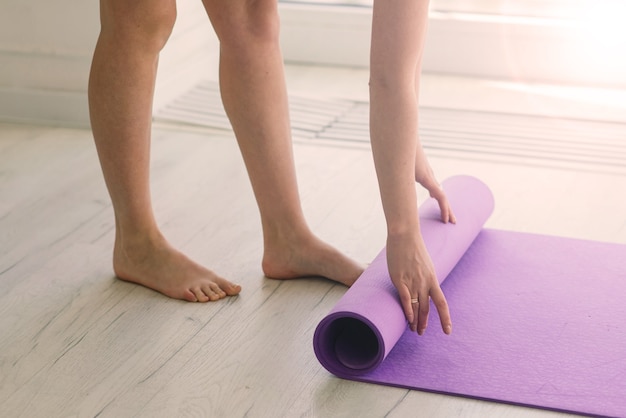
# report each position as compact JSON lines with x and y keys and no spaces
{"x":588,"y":51}
{"x":46,"y":49}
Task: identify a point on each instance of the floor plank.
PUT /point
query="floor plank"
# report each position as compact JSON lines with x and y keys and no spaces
{"x":77,"y":342}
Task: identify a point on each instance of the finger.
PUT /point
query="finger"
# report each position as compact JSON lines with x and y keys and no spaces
{"x":405,"y":301}
{"x":445,"y":211}
{"x":436,"y":192}
{"x":415,"y":306}
{"x":444,"y":206}
{"x":422,"y":319}
{"x":452,"y":216}
{"x":447,"y":215}
{"x":441,"y":304}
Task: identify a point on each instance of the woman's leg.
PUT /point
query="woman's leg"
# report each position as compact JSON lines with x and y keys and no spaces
{"x":254,"y":94}
{"x":121,"y":88}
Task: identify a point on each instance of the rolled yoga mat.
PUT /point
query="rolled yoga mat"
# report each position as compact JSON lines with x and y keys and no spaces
{"x":537,"y":320}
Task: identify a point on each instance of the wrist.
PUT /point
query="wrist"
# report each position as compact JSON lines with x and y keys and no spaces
{"x":400,"y":229}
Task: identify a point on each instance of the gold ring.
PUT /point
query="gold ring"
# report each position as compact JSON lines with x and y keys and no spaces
{"x":416,"y":301}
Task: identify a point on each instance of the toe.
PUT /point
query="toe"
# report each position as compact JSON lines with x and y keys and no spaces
{"x":228,"y":288}
{"x":215,"y":288}
{"x":189,"y":296}
{"x":209,"y":292}
{"x":201,"y":296}
{"x":233,"y":289}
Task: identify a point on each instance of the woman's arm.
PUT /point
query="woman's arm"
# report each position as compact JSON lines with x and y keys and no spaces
{"x":398,"y":33}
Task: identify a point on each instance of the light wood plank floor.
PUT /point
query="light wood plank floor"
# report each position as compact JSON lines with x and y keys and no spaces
{"x":74,"y":341}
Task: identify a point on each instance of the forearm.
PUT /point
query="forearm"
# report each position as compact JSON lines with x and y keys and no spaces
{"x":398,"y":32}
{"x":394,"y":144}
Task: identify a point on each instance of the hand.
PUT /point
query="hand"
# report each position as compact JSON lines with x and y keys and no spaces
{"x":424,"y":175}
{"x":413,"y":274}
{"x":410,"y":266}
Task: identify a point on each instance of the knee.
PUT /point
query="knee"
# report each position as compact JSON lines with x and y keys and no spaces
{"x":147,"y":25}
{"x":247,"y":23}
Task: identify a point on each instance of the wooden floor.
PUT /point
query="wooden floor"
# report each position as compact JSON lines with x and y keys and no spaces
{"x":74,"y":341}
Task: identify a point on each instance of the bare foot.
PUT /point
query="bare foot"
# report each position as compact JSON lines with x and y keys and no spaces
{"x":309,"y":257}
{"x":155,"y":264}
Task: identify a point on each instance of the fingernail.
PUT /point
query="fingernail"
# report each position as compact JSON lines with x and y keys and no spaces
{"x":421,"y":331}
{"x":448,"y":329}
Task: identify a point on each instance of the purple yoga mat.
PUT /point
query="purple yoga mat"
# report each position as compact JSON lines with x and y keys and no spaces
{"x":537,"y":320}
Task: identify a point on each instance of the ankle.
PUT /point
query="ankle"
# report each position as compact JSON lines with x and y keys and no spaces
{"x":286,"y":234}
{"x":131,"y":242}
{"x":280,"y":247}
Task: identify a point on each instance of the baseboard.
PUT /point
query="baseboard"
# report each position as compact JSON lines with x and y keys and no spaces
{"x":44,"y":107}
{"x":52,"y":107}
